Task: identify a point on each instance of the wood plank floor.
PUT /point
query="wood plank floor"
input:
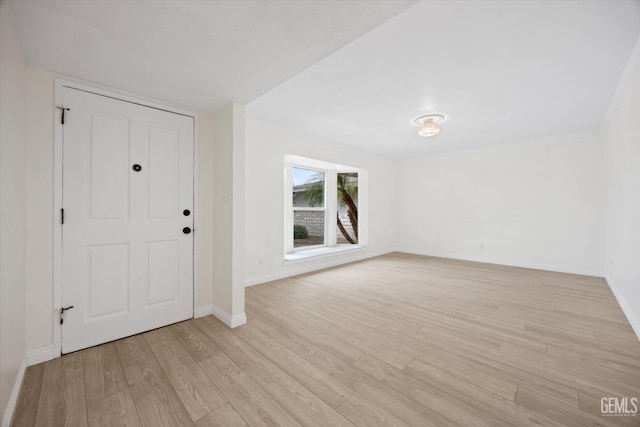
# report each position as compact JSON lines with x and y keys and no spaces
{"x":397,"y":340}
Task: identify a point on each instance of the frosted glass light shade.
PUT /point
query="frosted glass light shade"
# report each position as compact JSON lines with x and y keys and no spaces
{"x":428,"y":124}
{"x":428,"y":129}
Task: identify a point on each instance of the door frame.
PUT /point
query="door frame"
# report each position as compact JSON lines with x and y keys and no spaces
{"x":60,"y":84}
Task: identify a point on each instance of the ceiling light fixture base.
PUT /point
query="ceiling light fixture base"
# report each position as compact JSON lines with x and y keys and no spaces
{"x":436,"y":118}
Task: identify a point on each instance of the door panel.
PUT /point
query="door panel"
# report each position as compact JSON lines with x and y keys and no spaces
{"x":127,"y":265}
{"x":108,"y":282}
{"x":163,"y":271}
{"x":164,"y":165}
{"x":109,"y":182}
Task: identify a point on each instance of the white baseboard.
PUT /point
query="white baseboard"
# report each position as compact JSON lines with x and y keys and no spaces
{"x":312,"y":264}
{"x":626,"y":308}
{"x":203,"y":311}
{"x":510,"y":263}
{"x":15,"y":391}
{"x":227,"y":319}
{"x":238,"y":320}
{"x":40,"y":355}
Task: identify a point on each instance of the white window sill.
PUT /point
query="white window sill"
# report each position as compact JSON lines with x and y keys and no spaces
{"x":319,"y":252}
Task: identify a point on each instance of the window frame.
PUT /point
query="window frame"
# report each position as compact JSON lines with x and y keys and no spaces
{"x":331,"y":171}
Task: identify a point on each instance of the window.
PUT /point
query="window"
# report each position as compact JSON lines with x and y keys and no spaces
{"x":309,"y":187}
{"x":326,"y":207}
{"x":347,"y":201}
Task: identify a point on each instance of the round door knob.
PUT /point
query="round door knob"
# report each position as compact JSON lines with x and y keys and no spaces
{"x":136,"y":167}
{"x":186,"y":230}
{"x":186,"y":212}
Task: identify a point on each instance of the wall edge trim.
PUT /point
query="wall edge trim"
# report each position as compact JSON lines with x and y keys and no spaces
{"x":300,"y":267}
{"x":15,"y":392}
{"x":39,"y":355}
{"x":203,"y":311}
{"x":227,"y":319}
{"x":634,"y":321}
{"x":532,"y":265}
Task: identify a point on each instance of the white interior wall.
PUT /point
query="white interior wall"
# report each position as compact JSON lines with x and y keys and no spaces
{"x":228,"y":212}
{"x":621,"y":150}
{"x":532,"y":204}
{"x":40,"y":149}
{"x":266,"y":147}
{"x":40,"y":215}
{"x":13,"y":90}
{"x":204,"y":232}
{"x":535,"y":204}
{"x":238,"y":316}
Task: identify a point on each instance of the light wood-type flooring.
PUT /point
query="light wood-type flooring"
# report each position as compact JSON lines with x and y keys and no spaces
{"x":398,"y":340}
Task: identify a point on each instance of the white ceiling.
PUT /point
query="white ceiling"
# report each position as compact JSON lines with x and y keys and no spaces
{"x":353,"y":72}
{"x":504,"y":72}
{"x":198,"y":54}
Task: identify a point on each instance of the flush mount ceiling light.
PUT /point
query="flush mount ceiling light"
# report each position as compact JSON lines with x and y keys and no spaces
{"x":428,"y":124}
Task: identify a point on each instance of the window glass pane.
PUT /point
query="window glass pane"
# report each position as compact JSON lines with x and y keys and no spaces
{"x":308,"y":228}
{"x":347,"y":230}
{"x":308,"y":188}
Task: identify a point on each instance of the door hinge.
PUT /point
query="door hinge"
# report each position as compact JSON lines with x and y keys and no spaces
{"x":61,"y":216}
{"x":62,"y":310}
{"x":62,"y":115}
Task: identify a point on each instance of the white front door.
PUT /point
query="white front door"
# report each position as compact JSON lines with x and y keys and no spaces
{"x":128,"y":212}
